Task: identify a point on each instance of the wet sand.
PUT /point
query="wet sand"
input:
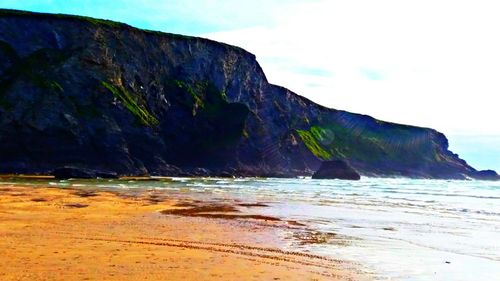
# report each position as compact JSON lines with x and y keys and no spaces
{"x":69,"y":234}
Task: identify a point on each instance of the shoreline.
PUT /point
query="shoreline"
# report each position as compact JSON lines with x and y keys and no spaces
{"x":159,"y":178}
{"x":91,"y":234}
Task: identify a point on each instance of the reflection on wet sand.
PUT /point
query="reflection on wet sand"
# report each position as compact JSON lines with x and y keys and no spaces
{"x":83,"y":234}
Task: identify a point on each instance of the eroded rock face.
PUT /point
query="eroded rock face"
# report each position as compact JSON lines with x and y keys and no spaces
{"x":336,"y":169}
{"x":101,"y":95}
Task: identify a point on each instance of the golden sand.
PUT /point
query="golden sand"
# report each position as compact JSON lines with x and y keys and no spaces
{"x":68,"y":234}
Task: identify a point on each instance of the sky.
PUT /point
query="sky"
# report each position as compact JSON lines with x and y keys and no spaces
{"x":427,"y":63}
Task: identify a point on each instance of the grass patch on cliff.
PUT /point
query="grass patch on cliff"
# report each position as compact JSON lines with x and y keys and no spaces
{"x":139,"y":111}
{"x":369,"y":142}
{"x":202,"y":97}
{"x":336,"y":141}
{"x":312,"y":142}
{"x":44,"y":83}
{"x":196,"y":92}
{"x":114,"y":24}
{"x":19,"y":13}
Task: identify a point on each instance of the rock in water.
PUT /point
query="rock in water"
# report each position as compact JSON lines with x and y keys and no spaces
{"x":336,"y":169}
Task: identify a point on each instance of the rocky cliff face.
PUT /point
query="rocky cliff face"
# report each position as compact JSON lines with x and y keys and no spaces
{"x":103,"y":95}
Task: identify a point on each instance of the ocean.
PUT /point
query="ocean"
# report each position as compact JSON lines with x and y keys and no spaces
{"x":396,"y":229}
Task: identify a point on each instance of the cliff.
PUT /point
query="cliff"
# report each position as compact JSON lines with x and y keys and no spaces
{"x":96,"y":94}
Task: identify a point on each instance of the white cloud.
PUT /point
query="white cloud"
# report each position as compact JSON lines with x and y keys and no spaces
{"x":436,"y":63}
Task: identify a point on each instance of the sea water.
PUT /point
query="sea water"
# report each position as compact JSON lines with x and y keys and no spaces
{"x":398,"y":229}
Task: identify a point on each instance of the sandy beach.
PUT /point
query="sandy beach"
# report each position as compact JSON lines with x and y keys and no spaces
{"x":51,"y":233}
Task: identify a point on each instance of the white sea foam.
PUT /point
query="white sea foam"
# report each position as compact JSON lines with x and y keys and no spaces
{"x":402,"y":229}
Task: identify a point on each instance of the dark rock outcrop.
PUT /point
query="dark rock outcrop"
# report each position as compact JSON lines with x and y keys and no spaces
{"x":70,"y":173}
{"x":487,"y":175}
{"x":100,"y":95}
{"x":336,"y":169}
{"x":78,"y":173}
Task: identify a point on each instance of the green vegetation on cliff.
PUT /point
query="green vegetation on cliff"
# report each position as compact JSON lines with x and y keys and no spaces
{"x":138,"y":110}
{"x":313,"y":142}
{"x":109,"y":23}
{"x":196,"y":92}
{"x":18,"y":13}
{"x":369,"y":144}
